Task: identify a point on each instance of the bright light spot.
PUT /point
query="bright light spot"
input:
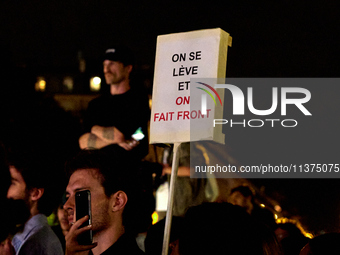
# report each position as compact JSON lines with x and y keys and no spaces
{"x":296,"y":223}
{"x":309,"y":235}
{"x":154,"y":218}
{"x":96,"y":80}
{"x":262,"y":205}
{"x":95,"y":83}
{"x":278,"y":208}
{"x":40,"y":85}
{"x":138,"y":135}
{"x":276,"y":217}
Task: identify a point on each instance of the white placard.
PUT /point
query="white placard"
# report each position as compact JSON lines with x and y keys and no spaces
{"x":179,"y":58}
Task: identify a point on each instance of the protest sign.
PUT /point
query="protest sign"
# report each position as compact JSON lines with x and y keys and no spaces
{"x":179,"y":58}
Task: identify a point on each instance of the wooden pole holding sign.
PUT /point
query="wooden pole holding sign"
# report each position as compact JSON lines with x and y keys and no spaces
{"x":180,"y":58}
{"x":168,"y":218}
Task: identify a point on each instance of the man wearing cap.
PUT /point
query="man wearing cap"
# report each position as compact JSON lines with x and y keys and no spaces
{"x":111,"y":120}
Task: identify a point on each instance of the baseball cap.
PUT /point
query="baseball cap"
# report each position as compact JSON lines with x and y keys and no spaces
{"x":121,"y":54}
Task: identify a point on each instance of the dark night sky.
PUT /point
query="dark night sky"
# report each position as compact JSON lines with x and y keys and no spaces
{"x":280,"y":39}
{"x":270,"y":39}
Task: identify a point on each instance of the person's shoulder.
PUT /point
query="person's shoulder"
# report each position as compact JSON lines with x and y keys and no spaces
{"x":43,"y":241}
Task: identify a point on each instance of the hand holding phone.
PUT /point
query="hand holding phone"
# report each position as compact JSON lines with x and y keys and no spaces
{"x":83,"y":208}
{"x":72,"y":246}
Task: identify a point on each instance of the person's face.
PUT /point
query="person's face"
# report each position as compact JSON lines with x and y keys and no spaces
{"x":17,"y":190}
{"x":238,"y":199}
{"x":18,"y":196}
{"x":115,"y":72}
{"x":63,"y":220}
{"x":87,"y":179}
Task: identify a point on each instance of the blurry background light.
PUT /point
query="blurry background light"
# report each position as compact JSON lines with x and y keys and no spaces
{"x":68,"y":83}
{"x":150,"y":103}
{"x":154,"y":218}
{"x":40,"y":85}
{"x":278,"y":208}
{"x":284,"y":220}
{"x":95,"y":83}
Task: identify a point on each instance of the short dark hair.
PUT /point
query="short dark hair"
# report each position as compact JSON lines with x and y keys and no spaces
{"x":39,"y":170}
{"x":115,"y":173}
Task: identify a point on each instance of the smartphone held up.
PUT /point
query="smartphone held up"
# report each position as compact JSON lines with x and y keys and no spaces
{"x":83,"y":208}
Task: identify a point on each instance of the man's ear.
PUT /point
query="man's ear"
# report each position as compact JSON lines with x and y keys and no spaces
{"x":119,"y":200}
{"x":36,"y":193}
{"x":129,"y":68}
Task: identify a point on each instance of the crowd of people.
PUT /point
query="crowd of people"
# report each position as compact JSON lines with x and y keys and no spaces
{"x":42,"y":172}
